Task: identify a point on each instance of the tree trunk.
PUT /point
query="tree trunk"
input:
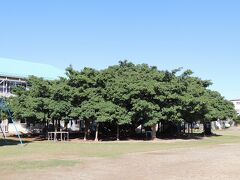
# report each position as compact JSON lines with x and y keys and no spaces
{"x":162,"y":127}
{"x":80,"y":126}
{"x":55,"y":125}
{"x":59,"y":125}
{"x":178,"y":129}
{"x":117,"y":132}
{"x":192,"y":128}
{"x":154,"y":132}
{"x":207,"y":128}
{"x":86,"y":130}
{"x":184,"y":128}
{"x":96,"y":132}
{"x":158,"y":129}
{"x":47,"y":124}
{"x":85,"y":136}
{"x":47,"y":127}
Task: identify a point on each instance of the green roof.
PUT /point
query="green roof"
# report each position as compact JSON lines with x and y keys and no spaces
{"x":23,"y":69}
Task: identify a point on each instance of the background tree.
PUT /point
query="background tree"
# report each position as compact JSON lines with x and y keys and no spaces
{"x":217,"y":107}
{"x":84,"y":87}
{"x":132,"y":87}
{"x":31,"y":105}
{"x":59,"y":102}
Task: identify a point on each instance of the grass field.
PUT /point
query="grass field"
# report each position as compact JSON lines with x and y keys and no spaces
{"x":42,"y":155}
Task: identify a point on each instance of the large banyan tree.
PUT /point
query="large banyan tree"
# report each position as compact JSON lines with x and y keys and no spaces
{"x":122,"y":97}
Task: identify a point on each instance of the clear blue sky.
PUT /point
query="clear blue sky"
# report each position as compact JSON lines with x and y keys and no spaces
{"x":203,"y":35}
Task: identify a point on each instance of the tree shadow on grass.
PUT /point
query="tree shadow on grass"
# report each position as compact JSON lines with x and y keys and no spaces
{"x":194,"y":136}
{"x":12,"y":141}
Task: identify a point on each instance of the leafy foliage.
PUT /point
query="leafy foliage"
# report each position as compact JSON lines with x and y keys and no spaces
{"x":123,"y":94}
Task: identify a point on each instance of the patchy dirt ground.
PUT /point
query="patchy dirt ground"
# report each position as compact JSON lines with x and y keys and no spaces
{"x":212,"y":162}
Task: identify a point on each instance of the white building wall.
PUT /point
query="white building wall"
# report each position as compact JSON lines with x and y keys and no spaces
{"x":21,"y":127}
{"x":236,"y":103}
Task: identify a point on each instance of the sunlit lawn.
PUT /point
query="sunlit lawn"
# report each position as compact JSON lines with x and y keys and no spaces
{"x":43,"y":154}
